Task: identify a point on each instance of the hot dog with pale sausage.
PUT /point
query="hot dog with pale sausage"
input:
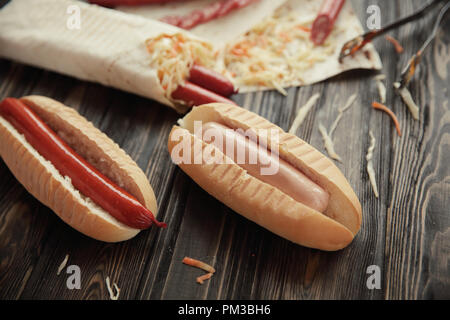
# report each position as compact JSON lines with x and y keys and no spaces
{"x":307,"y":200}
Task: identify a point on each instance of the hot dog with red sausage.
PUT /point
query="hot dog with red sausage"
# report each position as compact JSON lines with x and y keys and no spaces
{"x":74,"y":169}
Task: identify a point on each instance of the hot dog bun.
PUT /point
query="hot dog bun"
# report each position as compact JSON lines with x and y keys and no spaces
{"x":264,"y":204}
{"x":44,"y":182}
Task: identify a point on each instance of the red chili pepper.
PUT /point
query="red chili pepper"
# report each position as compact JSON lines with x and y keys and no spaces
{"x":324,"y":22}
{"x":211,"y":80}
{"x":194,"y":95}
{"x":85,"y":178}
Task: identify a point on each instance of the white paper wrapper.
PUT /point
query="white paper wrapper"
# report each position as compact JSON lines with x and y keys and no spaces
{"x":109,"y":47}
{"x":347,"y":27}
{"x":229,"y":28}
{"x":347,"y":22}
{"x":219,"y":31}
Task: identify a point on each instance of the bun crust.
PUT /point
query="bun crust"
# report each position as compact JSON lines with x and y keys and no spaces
{"x":44,"y":182}
{"x":264,"y":204}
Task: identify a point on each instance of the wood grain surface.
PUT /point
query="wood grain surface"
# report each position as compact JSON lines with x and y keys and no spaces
{"x":406,"y":231}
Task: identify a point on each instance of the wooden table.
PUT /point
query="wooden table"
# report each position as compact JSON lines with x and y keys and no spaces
{"x":405,"y":232}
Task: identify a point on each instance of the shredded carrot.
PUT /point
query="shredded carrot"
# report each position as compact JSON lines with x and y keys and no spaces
{"x":242,"y":48}
{"x":285,"y":36}
{"x":281,"y":48}
{"x":262,"y":41}
{"x":239,"y":52}
{"x":149,"y":45}
{"x":204,"y":277}
{"x":177,"y":47}
{"x":382,"y":107}
{"x":306,"y":29}
{"x":173,"y":53}
{"x":396,"y":44}
{"x":198,"y":264}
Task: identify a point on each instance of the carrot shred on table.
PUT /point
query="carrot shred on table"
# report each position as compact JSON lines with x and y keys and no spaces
{"x":382,"y":107}
{"x":396,"y":44}
{"x":204,"y":277}
{"x":198,"y":264}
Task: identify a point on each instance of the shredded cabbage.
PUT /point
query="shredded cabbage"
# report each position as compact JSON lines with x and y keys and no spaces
{"x":173,"y":55}
{"x":276,"y":52}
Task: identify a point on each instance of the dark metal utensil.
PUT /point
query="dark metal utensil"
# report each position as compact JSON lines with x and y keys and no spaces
{"x":356,"y":44}
{"x":411,"y":67}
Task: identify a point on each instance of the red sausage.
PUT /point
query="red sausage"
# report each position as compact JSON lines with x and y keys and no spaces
{"x":211,"y":80}
{"x":85,"y":178}
{"x":324,"y":22}
{"x":214,"y":10}
{"x":194,"y":95}
{"x":188,"y":22}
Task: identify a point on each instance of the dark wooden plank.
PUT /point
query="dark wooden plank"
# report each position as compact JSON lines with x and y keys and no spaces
{"x":405,"y":232}
{"x":418,"y":220}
